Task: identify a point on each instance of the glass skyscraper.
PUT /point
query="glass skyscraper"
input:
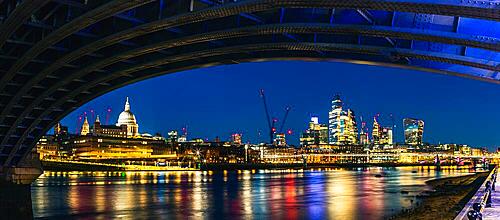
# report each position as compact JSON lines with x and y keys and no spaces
{"x":414,"y":131}
{"x":342,"y":127}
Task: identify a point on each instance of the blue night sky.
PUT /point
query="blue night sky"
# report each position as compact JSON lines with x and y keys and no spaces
{"x":218,"y":101}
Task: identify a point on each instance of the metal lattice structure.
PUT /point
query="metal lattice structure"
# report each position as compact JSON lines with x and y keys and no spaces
{"x":57,"y":55}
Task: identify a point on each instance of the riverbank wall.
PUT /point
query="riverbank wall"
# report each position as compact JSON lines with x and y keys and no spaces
{"x":74,"y":166}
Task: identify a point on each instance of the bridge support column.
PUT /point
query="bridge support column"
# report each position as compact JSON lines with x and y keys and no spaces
{"x":15,"y":191}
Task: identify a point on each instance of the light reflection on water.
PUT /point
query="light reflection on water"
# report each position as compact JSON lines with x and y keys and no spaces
{"x":291,"y":194}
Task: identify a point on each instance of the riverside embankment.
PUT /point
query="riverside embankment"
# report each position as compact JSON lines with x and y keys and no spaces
{"x":448,"y":197}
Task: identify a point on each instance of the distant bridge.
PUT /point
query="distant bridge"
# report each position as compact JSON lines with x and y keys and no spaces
{"x":57,"y":55}
{"x":429,"y":155}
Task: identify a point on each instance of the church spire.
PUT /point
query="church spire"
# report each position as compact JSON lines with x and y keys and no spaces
{"x":97,"y":119}
{"x":127,"y":105}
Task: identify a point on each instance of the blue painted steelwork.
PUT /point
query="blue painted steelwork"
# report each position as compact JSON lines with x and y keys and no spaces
{"x":89,"y":49}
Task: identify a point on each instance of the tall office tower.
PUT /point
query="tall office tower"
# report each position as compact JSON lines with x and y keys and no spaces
{"x":334,"y":125}
{"x":376,"y":131}
{"x":386,"y":136}
{"x":363,"y":136}
{"x":351,"y":128}
{"x":316,"y":133}
{"x":414,"y":131}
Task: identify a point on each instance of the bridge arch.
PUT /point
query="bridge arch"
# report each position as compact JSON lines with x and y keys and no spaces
{"x":57,"y":55}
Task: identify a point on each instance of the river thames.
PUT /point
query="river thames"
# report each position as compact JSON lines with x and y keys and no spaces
{"x":333,"y":193}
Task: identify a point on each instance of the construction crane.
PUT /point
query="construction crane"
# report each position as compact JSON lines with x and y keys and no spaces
{"x":287,"y":109}
{"x":272,"y":123}
{"x":269,"y":123}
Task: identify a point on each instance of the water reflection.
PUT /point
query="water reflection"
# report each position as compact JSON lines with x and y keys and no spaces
{"x":291,"y":194}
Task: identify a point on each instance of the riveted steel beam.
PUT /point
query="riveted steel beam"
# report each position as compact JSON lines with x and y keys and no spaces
{"x":75,"y":25}
{"x":22,"y":12}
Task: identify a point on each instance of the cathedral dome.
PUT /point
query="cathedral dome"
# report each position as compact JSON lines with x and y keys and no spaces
{"x":126,"y":117}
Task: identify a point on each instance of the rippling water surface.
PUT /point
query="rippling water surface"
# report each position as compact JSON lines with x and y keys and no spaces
{"x":252,"y":194}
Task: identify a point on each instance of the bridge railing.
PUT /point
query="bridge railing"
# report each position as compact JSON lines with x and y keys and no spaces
{"x":478,"y":202}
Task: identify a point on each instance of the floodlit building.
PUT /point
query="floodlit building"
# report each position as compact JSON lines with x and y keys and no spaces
{"x":316,"y":133}
{"x":334,"y":124}
{"x":376,"y":131}
{"x":386,"y":136}
{"x":350,"y":133}
{"x":60,"y":130}
{"x":85,"y":127}
{"x":172,"y":136}
{"x":342,"y":127}
{"x":128,"y":118}
{"x":108,"y":130}
{"x":363,"y":136}
{"x":236,"y":138}
{"x":280,"y":140}
{"x":414,"y":130}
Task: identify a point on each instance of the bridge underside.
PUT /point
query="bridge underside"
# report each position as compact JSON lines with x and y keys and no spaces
{"x":57,"y":55}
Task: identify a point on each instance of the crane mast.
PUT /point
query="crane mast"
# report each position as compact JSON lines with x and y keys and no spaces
{"x":272,"y":122}
{"x":269,"y":123}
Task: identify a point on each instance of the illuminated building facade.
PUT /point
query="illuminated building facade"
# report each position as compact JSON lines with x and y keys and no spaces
{"x":236,"y":138}
{"x":386,"y":136}
{"x":316,"y":133}
{"x":342,"y":127}
{"x":127,"y":118}
{"x":334,"y":123}
{"x":85,"y":127}
{"x":350,"y":133}
{"x":376,"y":131}
{"x":108,"y":130}
{"x":108,"y":147}
{"x":172,"y":136}
{"x":60,"y":130}
{"x":363,"y":136}
{"x":182,"y":138}
{"x":280,"y":140}
{"x":414,"y":131}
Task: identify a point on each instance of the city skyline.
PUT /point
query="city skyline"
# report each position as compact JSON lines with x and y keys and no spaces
{"x":142,"y":94}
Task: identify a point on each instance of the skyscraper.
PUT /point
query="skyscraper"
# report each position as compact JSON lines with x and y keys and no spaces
{"x":334,"y":124}
{"x":376,"y":131}
{"x":414,"y":131}
{"x":342,"y":126}
{"x":316,"y":133}
{"x":363,"y":136}
{"x":351,"y":128}
{"x":386,"y":136}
